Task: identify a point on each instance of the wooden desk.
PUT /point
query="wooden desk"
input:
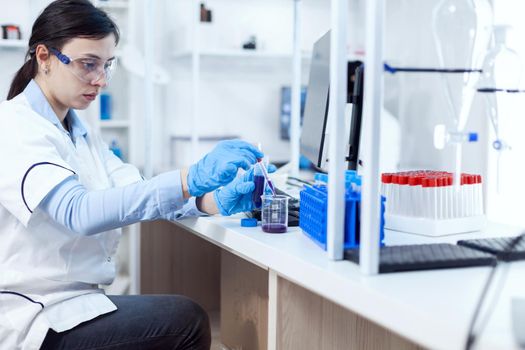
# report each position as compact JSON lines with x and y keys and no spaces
{"x":281,"y":292}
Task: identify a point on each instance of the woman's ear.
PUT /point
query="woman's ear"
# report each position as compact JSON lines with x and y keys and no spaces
{"x":43,"y":58}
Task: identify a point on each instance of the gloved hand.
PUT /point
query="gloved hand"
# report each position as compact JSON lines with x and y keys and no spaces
{"x":236,"y":197}
{"x":219,"y":167}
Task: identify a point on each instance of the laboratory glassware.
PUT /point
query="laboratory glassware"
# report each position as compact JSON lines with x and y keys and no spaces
{"x":461,"y":30}
{"x":499,"y":84}
{"x":260,"y":182}
{"x":274,"y":213}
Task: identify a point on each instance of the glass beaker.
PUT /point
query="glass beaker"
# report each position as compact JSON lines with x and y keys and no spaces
{"x":274,"y":213}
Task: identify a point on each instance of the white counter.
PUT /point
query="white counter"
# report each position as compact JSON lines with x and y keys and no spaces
{"x":431,"y":308}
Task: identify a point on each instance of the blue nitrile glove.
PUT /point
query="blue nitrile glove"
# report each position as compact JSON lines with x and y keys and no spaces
{"x":236,"y":197}
{"x":219,"y":167}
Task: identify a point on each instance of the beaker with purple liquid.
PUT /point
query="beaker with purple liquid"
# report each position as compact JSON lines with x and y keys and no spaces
{"x":274,"y":213}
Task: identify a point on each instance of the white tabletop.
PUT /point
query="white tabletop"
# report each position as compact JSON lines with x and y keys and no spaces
{"x":431,"y":308}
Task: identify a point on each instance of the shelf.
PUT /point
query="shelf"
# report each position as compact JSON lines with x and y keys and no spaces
{"x":254,"y":54}
{"x":112,"y":4}
{"x":13,"y":44}
{"x":238,"y":53}
{"x":204,"y":138}
{"x":114,"y":124}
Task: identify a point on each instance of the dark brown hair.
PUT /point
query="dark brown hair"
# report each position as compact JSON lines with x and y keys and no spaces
{"x":60,"y":22}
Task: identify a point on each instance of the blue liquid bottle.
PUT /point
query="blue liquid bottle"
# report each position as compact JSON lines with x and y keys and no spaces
{"x":105,"y":106}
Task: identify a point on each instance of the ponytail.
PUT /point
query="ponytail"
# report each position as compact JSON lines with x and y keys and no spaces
{"x":23,"y":77}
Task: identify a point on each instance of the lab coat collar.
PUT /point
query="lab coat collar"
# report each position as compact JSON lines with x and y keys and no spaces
{"x":39,"y":103}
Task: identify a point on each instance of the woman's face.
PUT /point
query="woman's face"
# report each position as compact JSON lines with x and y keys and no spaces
{"x":77,"y":84}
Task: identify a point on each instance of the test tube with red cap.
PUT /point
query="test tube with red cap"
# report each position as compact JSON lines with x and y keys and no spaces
{"x":429,"y":194}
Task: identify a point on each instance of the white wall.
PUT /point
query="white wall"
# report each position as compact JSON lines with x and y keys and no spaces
{"x":242,"y":96}
{"x":18,"y":13}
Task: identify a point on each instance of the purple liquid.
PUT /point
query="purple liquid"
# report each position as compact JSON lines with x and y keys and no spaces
{"x":263,"y":169}
{"x":258,"y":192}
{"x":270,"y":184}
{"x":274,"y":228}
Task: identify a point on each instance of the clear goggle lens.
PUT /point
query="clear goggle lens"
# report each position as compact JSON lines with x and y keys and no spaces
{"x":92,"y":69}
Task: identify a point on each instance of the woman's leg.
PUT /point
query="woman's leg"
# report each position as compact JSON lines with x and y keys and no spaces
{"x":141,"y":322}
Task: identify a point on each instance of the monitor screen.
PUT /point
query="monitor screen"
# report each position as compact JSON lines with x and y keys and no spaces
{"x":316,"y":107}
{"x":314,"y":138}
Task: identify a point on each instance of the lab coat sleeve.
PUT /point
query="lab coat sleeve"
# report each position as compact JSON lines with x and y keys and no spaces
{"x":188,"y":210}
{"x":32,"y":164}
{"x":120,"y":173}
{"x":90,"y":212}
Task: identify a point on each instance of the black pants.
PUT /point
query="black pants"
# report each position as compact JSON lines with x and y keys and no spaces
{"x":141,"y":322}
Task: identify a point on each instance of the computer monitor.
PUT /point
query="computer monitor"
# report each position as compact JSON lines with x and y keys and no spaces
{"x":316,"y":107}
{"x":314,"y":140}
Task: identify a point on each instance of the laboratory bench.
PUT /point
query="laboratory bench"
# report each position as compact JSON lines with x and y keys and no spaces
{"x":280,"y":291}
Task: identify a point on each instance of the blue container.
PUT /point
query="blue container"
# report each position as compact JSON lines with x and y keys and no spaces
{"x":105,"y":106}
{"x":313,"y":221}
{"x":114,"y":147}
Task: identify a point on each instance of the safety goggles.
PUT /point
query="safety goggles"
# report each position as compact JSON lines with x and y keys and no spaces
{"x":87,"y":69}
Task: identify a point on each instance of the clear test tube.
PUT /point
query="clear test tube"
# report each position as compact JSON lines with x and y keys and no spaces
{"x":463,"y":199}
{"x":450,"y":197}
{"x":456,"y":199}
{"x":474,"y":195}
{"x":425,"y":207}
{"x":479,"y":195}
{"x":412,"y":196}
{"x":468,"y":195}
{"x":440,"y":196}
{"x":386,"y":185}
{"x":404,"y":200}
{"x":416,"y":193}
{"x":409,"y":201}
{"x":432,"y":194}
{"x":472,"y":190}
{"x":481,"y":198}
{"x":444,"y":199}
{"x":464,"y":190}
{"x":394,"y":190}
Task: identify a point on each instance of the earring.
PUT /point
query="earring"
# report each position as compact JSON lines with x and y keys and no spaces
{"x":46,"y":70}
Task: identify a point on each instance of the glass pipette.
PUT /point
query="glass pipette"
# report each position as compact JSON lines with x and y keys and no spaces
{"x":264,"y":171}
{"x":265,"y":174}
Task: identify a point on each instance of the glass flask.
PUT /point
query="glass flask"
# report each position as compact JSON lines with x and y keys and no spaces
{"x":502,"y":70}
{"x":462,"y":32}
{"x":500,"y":85}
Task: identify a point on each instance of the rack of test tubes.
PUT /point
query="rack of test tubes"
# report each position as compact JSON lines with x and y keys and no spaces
{"x":426,"y":202}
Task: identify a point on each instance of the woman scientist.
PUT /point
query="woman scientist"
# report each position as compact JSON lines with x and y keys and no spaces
{"x":63,"y":196}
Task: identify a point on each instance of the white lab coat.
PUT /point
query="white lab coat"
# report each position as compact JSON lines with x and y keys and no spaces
{"x":49,"y":275}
